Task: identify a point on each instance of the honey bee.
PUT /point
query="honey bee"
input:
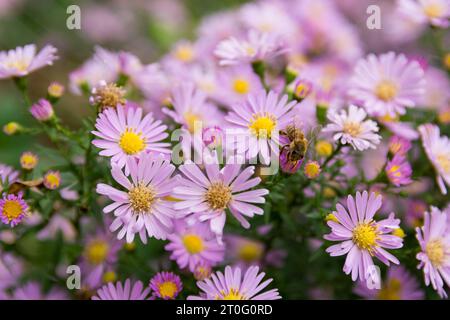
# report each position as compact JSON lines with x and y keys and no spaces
{"x":297,"y":143}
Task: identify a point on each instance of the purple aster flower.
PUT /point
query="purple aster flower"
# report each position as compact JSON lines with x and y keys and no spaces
{"x":21,"y":61}
{"x":209,"y":195}
{"x":125,"y":135}
{"x":143,"y":207}
{"x":42,"y":110}
{"x":399,"y":171}
{"x":166,"y":285}
{"x":399,"y":145}
{"x":352,"y":128}
{"x":434,"y":12}
{"x":361,"y":237}
{"x":437,"y":149}
{"x":256,"y":47}
{"x":232,"y":286}
{"x":434,"y":240}
{"x":7,"y":174}
{"x":398,"y":285}
{"x":244,"y":252}
{"x":258,"y":121}
{"x":34,"y":291}
{"x":13,"y":209}
{"x":122,"y":292}
{"x":387,"y":84}
{"x":415,"y":212}
{"x":192,"y":244}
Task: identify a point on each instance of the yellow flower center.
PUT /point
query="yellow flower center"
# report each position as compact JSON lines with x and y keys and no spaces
{"x":52,"y":180}
{"x":141,"y":198}
{"x":11,"y":128}
{"x":435,"y":252}
{"x":399,"y":233}
{"x":97,"y":251}
{"x":262,"y":125}
{"x":250,"y":252}
{"x":193,"y":243}
{"x":444,"y":162}
{"x":394,"y":171}
{"x":434,"y":10}
{"x":391,"y":290}
{"x":131,"y":142}
{"x":12,"y":209}
{"x":233,"y":294}
{"x":20,"y":65}
{"x":218,"y":196}
{"x":184,"y":53}
{"x":331,"y":217}
{"x":28,"y":161}
{"x":109,"y":276}
{"x":365,"y":236}
{"x":324,"y":148}
{"x":191,"y":120}
{"x":168,"y":289}
{"x":312,"y":169}
{"x":241,"y":86}
{"x":386,"y":90}
{"x":352,"y":128}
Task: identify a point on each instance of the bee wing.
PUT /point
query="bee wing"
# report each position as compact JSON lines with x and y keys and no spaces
{"x":313,"y":134}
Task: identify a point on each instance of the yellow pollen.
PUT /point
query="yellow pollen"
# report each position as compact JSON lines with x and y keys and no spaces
{"x":193,"y":243}
{"x":12,"y":209}
{"x":386,"y":90}
{"x":365,"y":236}
{"x":131,"y":142}
{"x":141,"y":198}
{"x":391,"y":290}
{"x":352,"y":128}
{"x":435,"y":252}
{"x":433,"y":10}
{"x":218,"y":196}
{"x":233,"y":294}
{"x":97,"y":251}
{"x":184,"y":53}
{"x":168,"y":289}
{"x":109,"y":276}
{"x":109,"y":95}
{"x":250,"y":252}
{"x":312,"y":169}
{"x":191,"y":120}
{"x":444,"y":162}
{"x":241,"y":86}
{"x":262,"y":125}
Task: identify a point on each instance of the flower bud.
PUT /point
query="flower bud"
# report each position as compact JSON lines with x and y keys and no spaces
{"x":42,"y":110}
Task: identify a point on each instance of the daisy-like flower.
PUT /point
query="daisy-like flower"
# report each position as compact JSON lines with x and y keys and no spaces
{"x":42,"y":110}
{"x":361,"y":237}
{"x":107,"y":95}
{"x":13,"y":209}
{"x":398,"y":285}
{"x":122,"y":292}
{"x":23,"y":60}
{"x":434,"y":12}
{"x":52,"y":180}
{"x":257,"y":46}
{"x":190,"y":108}
{"x":8,"y":175}
{"x":350,"y":127}
{"x":143,"y":207}
{"x":312,"y":169}
{"x":399,"y":145}
{"x":232,"y":286}
{"x":434,"y":240}
{"x":194,"y":244}
{"x":34,"y":291}
{"x":123,"y":135}
{"x":399,"y":171}
{"x":437,"y":148}
{"x":166,"y":285}
{"x":209,"y":195}
{"x":258,"y":120}
{"x":28,"y":160}
{"x":387,"y":84}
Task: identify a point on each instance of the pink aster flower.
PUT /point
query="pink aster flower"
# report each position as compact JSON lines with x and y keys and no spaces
{"x":352,"y":128}
{"x":21,"y":61}
{"x":13,"y":209}
{"x":232,"y":286}
{"x":209,"y":195}
{"x":8,"y":175}
{"x":190,"y":108}
{"x":258,"y":121}
{"x":399,"y":145}
{"x":434,"y":12}
{"x":387,"y":84}
{"x":118,"y":291}
{"x":437,"y":149}
{"x":143,"y":207}
{"x":34,"y":291}
{"x":399,"y":171}
{"x":192,"y":244}
{"x":256,"y":47}
{"x":434,"y":240}
{"x":125,"y":135}
{"x":361,"y":237}
{"x":42,"y":110}
{"x":398,"y":285}
{"x":166,"y":285}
